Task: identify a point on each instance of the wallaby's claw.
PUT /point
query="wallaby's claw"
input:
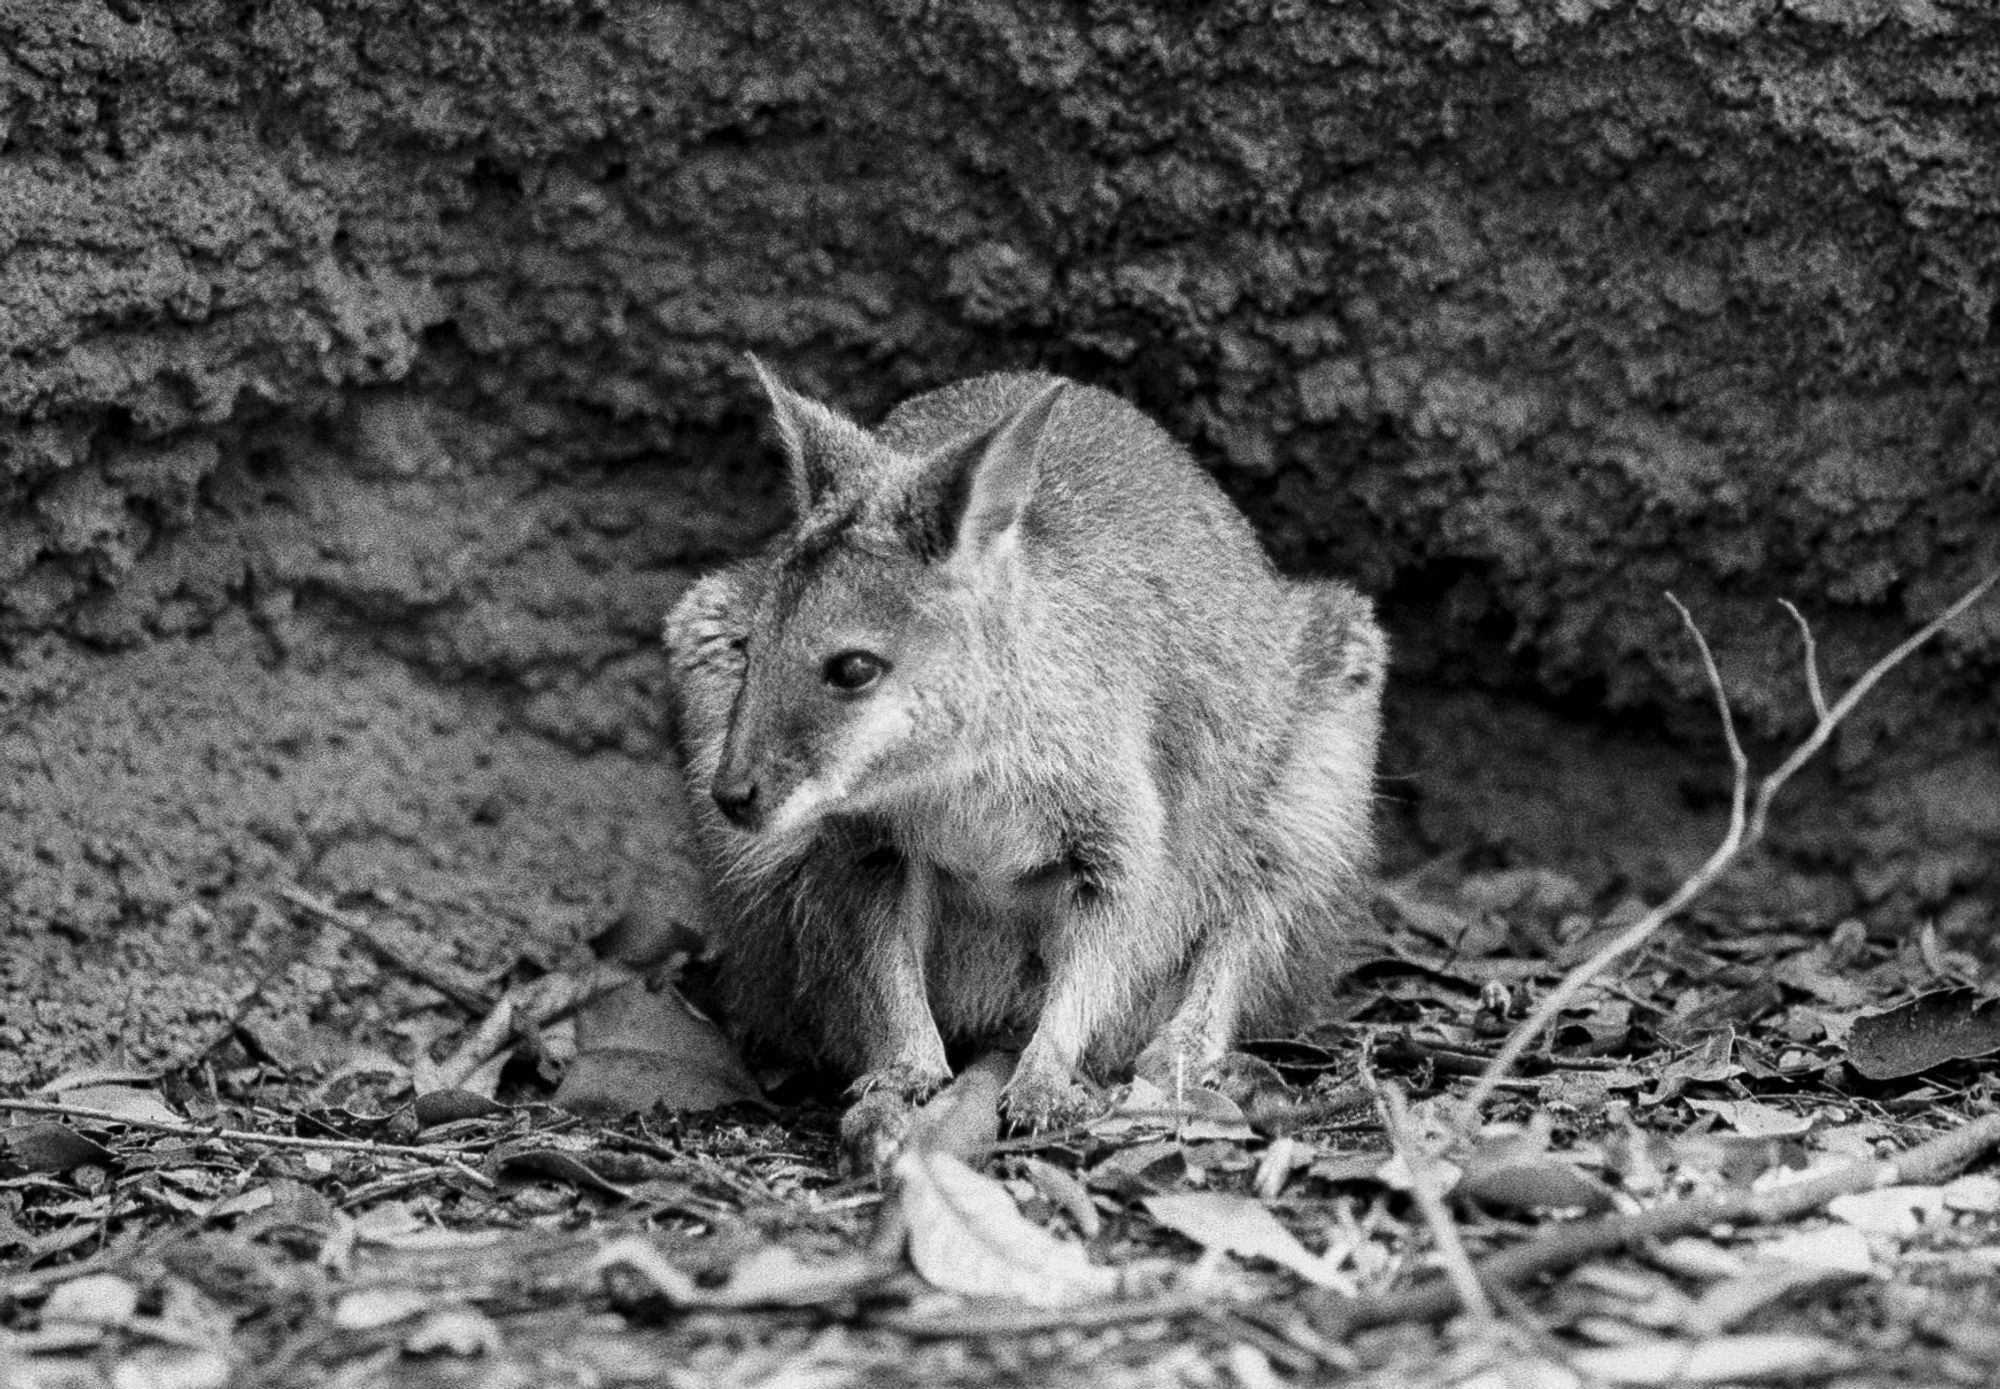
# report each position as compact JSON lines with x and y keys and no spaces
{"x":1035,"y":1102}
{"x":910,"y":1083}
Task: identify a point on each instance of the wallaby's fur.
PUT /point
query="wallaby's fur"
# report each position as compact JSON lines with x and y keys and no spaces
{"x":1106,"y":779}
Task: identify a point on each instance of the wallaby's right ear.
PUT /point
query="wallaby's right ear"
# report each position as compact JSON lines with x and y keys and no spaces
{"x":818,"y":441}
{"x":971,"y":493}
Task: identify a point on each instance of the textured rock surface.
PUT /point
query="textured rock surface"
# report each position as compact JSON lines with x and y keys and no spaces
{"x":402,"y":340}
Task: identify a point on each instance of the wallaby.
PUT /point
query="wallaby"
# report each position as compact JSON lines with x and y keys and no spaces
{"x":1017,"y":731}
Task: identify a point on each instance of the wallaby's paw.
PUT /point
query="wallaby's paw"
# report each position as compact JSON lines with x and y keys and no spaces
{"x":874,"y":1131}
{"x":1172,"y":1061}
{"x":1036,"y":1101}
{"x":903,"y":1080}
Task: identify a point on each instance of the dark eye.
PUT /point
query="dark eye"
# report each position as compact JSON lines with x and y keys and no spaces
{"x":851,"y":672}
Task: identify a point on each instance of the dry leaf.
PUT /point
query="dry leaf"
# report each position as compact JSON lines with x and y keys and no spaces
{"x":1518,"y":1170}
{"x":1948,"y":1025}
{"x":1245,"y":1228}
{"x":143,"y":1106}
{"x":1754,"y":1120}
{"x":174,"y":1369}
{"x":51,"y":1147}
{"x":1895,"y":1211}
{"x":967,"y":1236}
{"x":367,"y":1309}
{"x":636,"y":1049}
{"x":774,"y":1275}
{"x":771,"y":1276}
{"x":1065,"y":1193}
{"x":96,"y":1299}
{"x":1721,"y":1360}
{"x":1978,"y":1194}
{"x":1834,"y":1248}
{"x":1200,"y":1116}
{"x":461,"y":1331}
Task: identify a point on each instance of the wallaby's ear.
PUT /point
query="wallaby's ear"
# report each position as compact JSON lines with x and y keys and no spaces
{"x":973,"y":491}
{"x":817,"y":440}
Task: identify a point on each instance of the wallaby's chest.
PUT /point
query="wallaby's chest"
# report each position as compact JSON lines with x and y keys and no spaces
{"x":996,"y":849}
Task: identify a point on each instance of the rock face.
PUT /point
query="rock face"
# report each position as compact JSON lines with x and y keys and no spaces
{"x":374,"y":381}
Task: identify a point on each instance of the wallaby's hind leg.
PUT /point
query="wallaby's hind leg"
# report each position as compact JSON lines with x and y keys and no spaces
{"x":1275,"y":940}
{"x":1093,"y":952}
{"x":1235,"y":958}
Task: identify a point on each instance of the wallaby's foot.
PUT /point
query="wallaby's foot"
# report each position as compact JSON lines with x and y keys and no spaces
{"x":1042,"y":1098}
{"x":874,"y":1132}
{"x":1175,"y":1060}
{"x":877,"y":1125}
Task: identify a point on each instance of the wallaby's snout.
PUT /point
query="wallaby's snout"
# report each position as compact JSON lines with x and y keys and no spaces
{"x":737,"y":797}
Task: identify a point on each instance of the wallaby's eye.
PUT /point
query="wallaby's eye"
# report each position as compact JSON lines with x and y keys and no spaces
{"x":851,"y":672}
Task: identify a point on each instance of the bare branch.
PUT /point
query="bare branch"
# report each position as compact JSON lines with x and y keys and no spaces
{"x":1457,"y":1263}
{"x":1567,"y":1245}
{"x":445,"y":1157}
{"x":1742,"y":834}
{"x":1813,"y":689}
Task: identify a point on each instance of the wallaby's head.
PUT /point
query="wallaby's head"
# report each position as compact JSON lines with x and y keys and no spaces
{"x":869,"y":654}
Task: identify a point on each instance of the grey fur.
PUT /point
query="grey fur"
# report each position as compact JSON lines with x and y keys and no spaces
{"x":1114,"y":793}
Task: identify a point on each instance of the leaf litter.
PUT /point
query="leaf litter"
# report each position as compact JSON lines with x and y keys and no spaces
{"x":1733,"y":1156}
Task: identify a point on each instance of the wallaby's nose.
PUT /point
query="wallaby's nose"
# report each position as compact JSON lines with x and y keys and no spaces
{"x":737,"y":799}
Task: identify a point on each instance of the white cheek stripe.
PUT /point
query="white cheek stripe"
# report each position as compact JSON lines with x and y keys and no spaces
{"x":885,"y":724}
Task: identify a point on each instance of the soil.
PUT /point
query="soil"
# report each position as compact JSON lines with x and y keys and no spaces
{"x":374,"y":382}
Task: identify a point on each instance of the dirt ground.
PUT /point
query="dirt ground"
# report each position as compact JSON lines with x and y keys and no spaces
{"x":374,"y":381}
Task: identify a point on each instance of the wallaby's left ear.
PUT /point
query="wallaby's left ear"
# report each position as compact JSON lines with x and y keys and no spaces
{"x":972,"y":492}
{"x":821,"y":445}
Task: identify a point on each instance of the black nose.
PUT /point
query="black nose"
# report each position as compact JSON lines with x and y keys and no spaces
{"x":737,"y":800}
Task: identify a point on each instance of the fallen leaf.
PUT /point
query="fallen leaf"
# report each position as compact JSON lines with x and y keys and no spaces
{"x":636,"y":1256}
{"x":92,"y":1076}
{"x":1896,"y":1211}
{"x":564,"y":1167}
{"x":450,"y":1106}
{"x":1723,"y":1359}
{"x":637,"y":1050}
{"x":776,"y":1275}
{"x":51,"y":1147}
{"x":771,"y":1276}
{"x":143,"y":1106}
{"x":1767,"y":1281}
{"x":1754,"y":1120}
{"x":1948,"y":1025}
{"x":1523,"y":1374}
{"x":967,"y":1236}
{"x":1517,"y":1169}
{"x":1714,"y":1059}
{"x":174,"y":1369}
{"x":1199,"y":1116}
{"x":1978,"y":1194}
{"x":1065,"y":1193}
{"x":368,"y":1309}
{"x":96,"y":1299}
{"x":1246,"y":1228}
{"x":460,"y":1331}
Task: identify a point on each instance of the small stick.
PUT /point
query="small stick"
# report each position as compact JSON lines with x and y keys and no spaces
{"x":1458,"y":1269}
{"x":442,"y":1157}
{"x":471,"y":1000}
{"x":1811,"y":660}
{"x":1569,"y":1245}
{"x":1744,"y":831}
{"x":1027,"y":1321}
